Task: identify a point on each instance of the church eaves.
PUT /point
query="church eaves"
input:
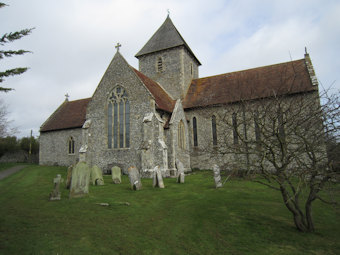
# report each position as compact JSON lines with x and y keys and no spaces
{"x":166,"y":37}
{"x":71,"y":114}
{"x":279,"y":79}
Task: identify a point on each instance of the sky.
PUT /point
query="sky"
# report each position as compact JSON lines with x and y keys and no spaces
{"x":74,"y":41}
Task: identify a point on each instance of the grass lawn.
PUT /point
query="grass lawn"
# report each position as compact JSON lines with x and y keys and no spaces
{"x":243,"y":217}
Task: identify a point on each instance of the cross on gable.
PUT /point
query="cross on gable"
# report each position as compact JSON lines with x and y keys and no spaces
{"x":66,"y":97}
{"x":118,"y":46}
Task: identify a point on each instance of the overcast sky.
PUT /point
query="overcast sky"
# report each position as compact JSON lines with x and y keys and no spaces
{"x":73,"y":42}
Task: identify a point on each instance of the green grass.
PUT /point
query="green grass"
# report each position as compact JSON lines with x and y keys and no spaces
{"x":5,"y":166}
{"x":243,"y":217}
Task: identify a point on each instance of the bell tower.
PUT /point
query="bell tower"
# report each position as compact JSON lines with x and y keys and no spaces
{"x":167,"y":59}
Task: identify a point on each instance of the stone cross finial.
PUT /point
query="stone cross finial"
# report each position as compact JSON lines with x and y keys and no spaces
{"x":66,"y":97}
{"x":168,"y":12}
{"x":118,"y":46}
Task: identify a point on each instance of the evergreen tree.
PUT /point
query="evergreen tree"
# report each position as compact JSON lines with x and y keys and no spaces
{"x":7,"y":38}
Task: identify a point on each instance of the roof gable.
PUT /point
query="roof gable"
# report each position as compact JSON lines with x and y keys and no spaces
{"x":70,"y":114}
{"x":162,"y":99}
{"x":285,"y":78}
{"x":166,"y":37}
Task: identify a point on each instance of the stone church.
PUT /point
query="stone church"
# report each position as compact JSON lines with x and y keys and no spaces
{"x":162,"y":112}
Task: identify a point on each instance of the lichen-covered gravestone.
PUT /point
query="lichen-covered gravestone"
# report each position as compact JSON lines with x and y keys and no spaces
{"x":116,"y":175}
{"x":69,"y":177}
{"x":157,"y":178}
{"x":134,"y":178}
{"x":80,"y":180}
{"x":180,"y":171}
{"x":55,"y":194}
{"x":97,"y":176}
{"x":217,"y":176}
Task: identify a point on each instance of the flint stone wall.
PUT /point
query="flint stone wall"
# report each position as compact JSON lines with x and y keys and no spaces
{"x":54,"y":147}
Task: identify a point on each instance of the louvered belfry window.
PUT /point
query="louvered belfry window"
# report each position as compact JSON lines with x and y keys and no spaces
{"x":118,"y":119}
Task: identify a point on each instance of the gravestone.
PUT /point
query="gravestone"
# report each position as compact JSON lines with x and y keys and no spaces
{"x":180,"y":171}
{"x":80,"y":180}
{"x":69,"y":177}
{"x":116,"y":173}
{"x":157,"y":178}
{"x":96,"y":176}
{"x":55,"y":194}
{"x":134,"y":178}
{"x":217,"y":176}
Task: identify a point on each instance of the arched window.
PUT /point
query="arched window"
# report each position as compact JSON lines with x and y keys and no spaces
{"x":71,"y":145}
{"x":160,"y":64}
{"x":235,"y":133}
{"x":194,"y":129}
{"x":214,"y":131}
{"x":118,"y":119}
{"x":181,"y":135}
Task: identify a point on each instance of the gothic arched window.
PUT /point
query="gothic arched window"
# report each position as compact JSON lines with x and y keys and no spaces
{"x":194,"y":129}
{"x":118,"y":119}
{"x":71,"y":145}
{"x":214,"y":130}
{"x":181,"y":135}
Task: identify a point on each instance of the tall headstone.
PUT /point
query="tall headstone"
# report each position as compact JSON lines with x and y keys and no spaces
{"x":69,"y":177}
{"x":157,"y":178}
{"x":80,"y":180}
{"x":134,"y":178}
{"x":55,"y":194}
{"x":116,"y":173}
{"x":180,"y":171}
{"x":217,"y":176}
{"x":97,"y":176}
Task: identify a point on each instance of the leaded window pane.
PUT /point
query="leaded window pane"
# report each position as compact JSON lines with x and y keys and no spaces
{"x":115,"y":125}
{"x":109,"y":126}
{"x":127,"y":124}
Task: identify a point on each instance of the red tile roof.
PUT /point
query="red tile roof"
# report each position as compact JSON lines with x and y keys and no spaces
{"x":162,"y":99}
{"x":285,"y":78}
{"x":70,"y":114}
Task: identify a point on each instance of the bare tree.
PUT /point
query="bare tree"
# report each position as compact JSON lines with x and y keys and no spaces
{"x":4,"y":122}
{"x":283,"y":140}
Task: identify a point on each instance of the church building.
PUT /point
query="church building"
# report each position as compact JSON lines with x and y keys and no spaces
{"x":161,"y":112}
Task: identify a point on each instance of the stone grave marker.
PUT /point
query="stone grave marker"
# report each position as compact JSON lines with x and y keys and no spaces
{"x":97,"y":176}
{"x":217,"y":176}
{"x":116,"y":173}
{"x":80,"y":180}
{"x":180,"y":171}
{"x":55,"y":194}
{"x":69,"y":177}
{"x":157,"y":178}
{"x":134,"y":178}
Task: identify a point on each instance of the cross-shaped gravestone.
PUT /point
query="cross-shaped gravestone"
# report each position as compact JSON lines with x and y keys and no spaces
{"x":118,"y":46}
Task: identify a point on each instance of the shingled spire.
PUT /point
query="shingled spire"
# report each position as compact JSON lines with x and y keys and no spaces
{"x":166,"y":37}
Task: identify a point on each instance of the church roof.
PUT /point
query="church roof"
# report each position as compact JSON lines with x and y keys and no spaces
{"x":285,"y":78}
{"x":162,"y":99}
{"x":166,"y":37}
{"x":70,"y":114}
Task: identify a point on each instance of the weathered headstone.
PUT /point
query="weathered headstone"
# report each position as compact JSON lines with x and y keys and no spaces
{"x":80,"y":180}
{"x":157,"y":178}
{"x":55,"y":194}
{"x":116,"y":173}
{"x":96,"y":176}
{"x":134,"y":178}
{"x":180,"y":171}
{"x":69,"y":177}
{"x":217,"y":176}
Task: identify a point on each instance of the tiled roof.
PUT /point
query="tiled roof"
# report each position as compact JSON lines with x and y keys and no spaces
{"x":285,"y":78}
{"x":166,"y":37}
{"x":70,"y":114}
{"x":162,"y":99}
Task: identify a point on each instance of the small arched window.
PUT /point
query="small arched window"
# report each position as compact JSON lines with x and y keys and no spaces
{"x":160,"y":65}
{"x":118,"y":119}
{"x":181,"y":135}
{"x":71,"y":145}
{"x":214,"y":130}
{"x":194,"y":129}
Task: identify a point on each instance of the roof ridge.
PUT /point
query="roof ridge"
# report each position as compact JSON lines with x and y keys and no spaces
{"x":248,"y":69}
